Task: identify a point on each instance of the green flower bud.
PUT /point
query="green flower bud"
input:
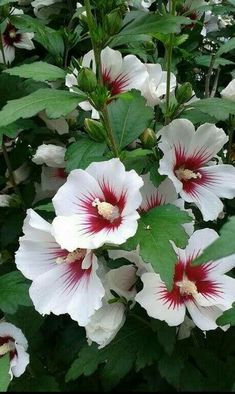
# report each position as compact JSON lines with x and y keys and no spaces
{"x":112,"y":22}
{"x":184,"y":93}
{"x":95,"y":129}
{"x":148,"y":138}
{"x":87,"y":80}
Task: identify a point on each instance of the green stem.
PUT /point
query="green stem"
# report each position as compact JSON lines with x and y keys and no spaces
{"x":108,"y":127}
{"x":97,"y":53}
{"x":169,"y":49}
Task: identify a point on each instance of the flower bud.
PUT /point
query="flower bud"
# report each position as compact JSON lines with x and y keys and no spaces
{"x":112,"y":22}
{"x":87,"y":79}
{"x":95,"y":129}
{"x":184,"y":93}
{"x":148,"y":138}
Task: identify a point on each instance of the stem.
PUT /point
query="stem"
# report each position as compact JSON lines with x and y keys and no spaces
{"x":208,"y":76}
{"x":213,"y":92}
{"x":169,"y":49}
{"x":10,"y":170}
{"x":108,"y":127}
{"x":97,"y":53}
{"x":96,"y":48}
{"x":69,"y":28}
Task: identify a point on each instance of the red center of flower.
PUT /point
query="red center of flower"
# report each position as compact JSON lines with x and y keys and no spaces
{"x":117,"y":85}
{"x":11,"y":36}
{"x":103,"y":212}
{"x":7,"y":345}
{"x":188,"y":281}
{"x":74,"y":263}
{"x":188,"y":168}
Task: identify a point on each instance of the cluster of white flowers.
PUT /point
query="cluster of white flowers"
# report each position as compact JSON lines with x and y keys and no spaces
{"x":94,"y":209}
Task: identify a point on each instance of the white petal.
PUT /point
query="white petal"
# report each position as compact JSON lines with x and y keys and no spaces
{"x":26,"y":41}
{"x":111,"y":61}
{"x":208,"y":141}
{"x":153,"y":196}
{"x":9,"y":52}
{"x":128,"y":182}
{"x":204,"y":317}
{"x":79,"y":186}
{"x":122,"y":280}
{"x":9,"y":330}
{"x":62,"y":291}
{"x":150,"y":298}
{"x":71,"y":80}
{"x":178,"y":135}
{"x":22,"y":360}
{"x":51,"y":179}
{"x":229,"y":91}
{"x":36,"y":254}
{"x":221,"y":180}
{"x":199,"y":241}
{"x":105,"y":323}
{"x":208,"y":203}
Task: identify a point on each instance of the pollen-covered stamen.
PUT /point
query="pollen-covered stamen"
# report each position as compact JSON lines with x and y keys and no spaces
{"x":12,"y":33}
{"x":106,"y":210}
{"x":187,"y":287}
{"x":76,"y":255}
{"x":6,"y":348}
{"x":186,"y":175}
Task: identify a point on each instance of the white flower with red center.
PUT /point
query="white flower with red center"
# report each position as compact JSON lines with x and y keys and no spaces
{"x":97,"y":206}
{"x":165,"y":193}
{"x":119,"y":74}
{"x":187,"y":161}
{"x":107,"y":321}
{"x":204,"y":291}
{"x":14,"y":343}
{"x":13,"y":38}
{"x":63,"y":281}
{"x":123,"y":74}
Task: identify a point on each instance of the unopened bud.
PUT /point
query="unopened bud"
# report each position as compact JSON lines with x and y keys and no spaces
{"x":112,"y":22}
{"x":95,"y":129}
{"x":148,"y":138}
{"x":87,"y":80}
{"x":184,"y":93}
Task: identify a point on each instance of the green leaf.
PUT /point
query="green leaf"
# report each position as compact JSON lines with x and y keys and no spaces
{"x":39,"y":71}
{"x":14,"y":292}
{"x":3,"y":2}
{"x":205,"y":60}
{"x":135,"y":344}
{"x":227,"y":47}
{"x":228,"y":317}
{"x":4,"y":373}
{"x":129,"y":117}
{"x":170,"y":368}
{"x":156,"y":229}
{"x":153,"y":24}
{"x":56,"y":103}
{"x":45,"y":207}
{"x":83,"y":152}
{"x":215,"y":107}
{"x":195,"y":116}
{"x":224,"y":246}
